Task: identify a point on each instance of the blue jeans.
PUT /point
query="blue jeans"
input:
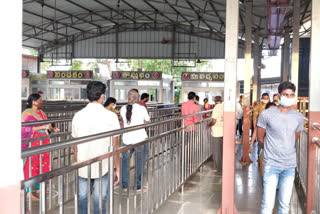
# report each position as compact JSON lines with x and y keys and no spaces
{"x":272,"y":176}
{"x":139,"y":162}
{"x":83,"y":194}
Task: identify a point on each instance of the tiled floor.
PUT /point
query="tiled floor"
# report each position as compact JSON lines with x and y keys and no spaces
{"x":202,"y":193}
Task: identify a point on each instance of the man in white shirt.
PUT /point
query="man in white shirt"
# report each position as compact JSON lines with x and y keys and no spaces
{"x":217,"y":134}
{"x":94,"y":119}
{"x":134,"y":114}
{"x":239,"y":115}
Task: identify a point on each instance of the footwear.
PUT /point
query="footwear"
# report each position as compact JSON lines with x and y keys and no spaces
{"x":144,"y":189}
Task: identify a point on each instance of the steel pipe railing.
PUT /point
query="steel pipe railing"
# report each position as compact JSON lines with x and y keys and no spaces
{"x":173,"y":156}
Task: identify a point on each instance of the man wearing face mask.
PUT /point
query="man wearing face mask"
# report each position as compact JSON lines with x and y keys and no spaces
{"x":278,"y":130}
{"x":144,"y":99}
{"x":110,"y":105}
{"x":256,"y":112}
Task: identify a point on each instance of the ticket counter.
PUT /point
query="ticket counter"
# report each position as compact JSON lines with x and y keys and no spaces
{"x":204,"y":84}
{"x":158,"y":85}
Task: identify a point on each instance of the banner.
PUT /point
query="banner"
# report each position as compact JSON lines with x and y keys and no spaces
{"x":202,"y":76}
{"x":137,"y":75}
{"x":69,"y":74}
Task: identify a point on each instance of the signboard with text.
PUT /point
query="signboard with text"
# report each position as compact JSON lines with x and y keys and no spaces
{"x":137,"y":75}
{"x":202,"y":76}
{"x":69,"y":74}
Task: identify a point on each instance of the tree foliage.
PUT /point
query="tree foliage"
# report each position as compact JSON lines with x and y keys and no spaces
{"x":76,"y":65}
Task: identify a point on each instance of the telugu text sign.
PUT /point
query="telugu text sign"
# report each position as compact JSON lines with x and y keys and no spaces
{"x":137,"y":75}
{"x":69,"y":74}
{"x":202,"y":76}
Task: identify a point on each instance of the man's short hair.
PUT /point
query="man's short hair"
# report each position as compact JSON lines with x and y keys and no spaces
{"x":109,"y":101}
{"x":144,"y":95}
{"x":286,"y":85}
{"x":265,"y":94}
{"x":94,"y":90}
{"x":191,"y":95}
{"x":217,"y":99}
{"x":136,"y":90}
{"x":197,"y":98}
{"x":275,"y":95}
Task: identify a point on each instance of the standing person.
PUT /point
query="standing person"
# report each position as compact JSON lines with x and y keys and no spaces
{"x":239,"y":115}
{"x":144,"y":99}
{"x":134,"y":114}
{"x":111,"y":105}
{"x":277,"y":137}
{"x":31,"y":114}
{"x":206,"y":107}
{"x":94,"y":119}
{"x":217,"y":134}
{"x":190,"y":107}
{"x":257,"y":109}
{"x":200,"y":108}
{"x":275,"y":99}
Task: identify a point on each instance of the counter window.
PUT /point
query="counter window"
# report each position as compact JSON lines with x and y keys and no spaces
{"x":148,"y":83}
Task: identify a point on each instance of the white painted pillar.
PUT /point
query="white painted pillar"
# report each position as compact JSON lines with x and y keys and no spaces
{"x":230,"y":92}
{"x":295,"y":44}
{"x":172,"y":91}
{"x":286,"y":46}
{"x":314,"y":106}
{"x":247,"y":84}
{"x":10,"y":89}
{"x":161,"y":92}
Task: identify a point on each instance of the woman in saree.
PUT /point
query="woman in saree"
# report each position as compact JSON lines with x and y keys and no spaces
{"x":206,"y":107}
{"x":31,"y":114}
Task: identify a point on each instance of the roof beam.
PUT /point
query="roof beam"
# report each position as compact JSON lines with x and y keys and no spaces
{"x":142,"y":13}
{"x":34,"y":37}
{"x":43,"y":29}
{"x":175,"y":10}
{"x":91,"y":11}
{"x":202,"y":19}
{"x":69,"y":14}
{"x":52,"y":20}
{"x":157,"y":10}
{"x":115,"y":10}
{"x":218,"y":15}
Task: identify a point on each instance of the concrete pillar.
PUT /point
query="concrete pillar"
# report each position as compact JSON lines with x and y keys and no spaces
{"x":172,"y":92}
{"x":285,"y":62}
{"x":259,"y":73}
{"x":230,"y":92}
{"x":10,"y":154}
{"x":247,"y":86}
{"x":295,"y":44}
{"x":161,"y":92}
{"x":255,"y":67}
{"x":314,"y":103}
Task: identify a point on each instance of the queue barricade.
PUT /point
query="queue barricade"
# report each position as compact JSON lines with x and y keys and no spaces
{"x":173,"y":155}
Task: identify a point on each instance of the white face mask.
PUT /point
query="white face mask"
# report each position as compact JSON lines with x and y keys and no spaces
{"x":114,"y":107}
{"x":287,"y":102}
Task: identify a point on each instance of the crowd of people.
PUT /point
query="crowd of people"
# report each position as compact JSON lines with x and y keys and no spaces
{"x":100,"y":115}
{"x":276,"y":128}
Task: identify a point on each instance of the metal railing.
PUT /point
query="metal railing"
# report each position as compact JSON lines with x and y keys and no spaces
{"x":63,"y":121}
{"x":316,"y":141}
{"x":174,"y":153}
